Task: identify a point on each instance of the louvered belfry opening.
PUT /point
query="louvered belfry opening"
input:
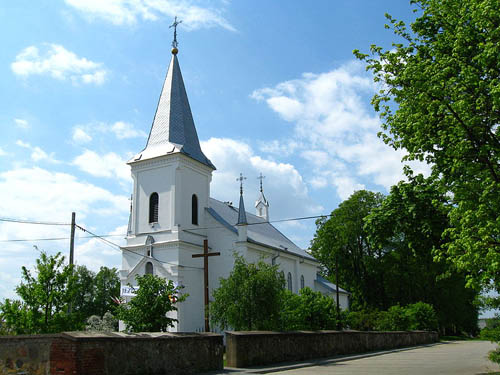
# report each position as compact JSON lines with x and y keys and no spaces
{"x":194,"y":209}
{"x":153,"y":208}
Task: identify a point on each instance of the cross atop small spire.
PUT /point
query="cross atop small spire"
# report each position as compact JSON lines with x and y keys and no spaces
{"x":240,"y":179}
{"x":261,"y":178}
{"x":174,"y":25}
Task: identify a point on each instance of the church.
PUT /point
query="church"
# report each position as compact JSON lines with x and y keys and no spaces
{"x":172,"y":215}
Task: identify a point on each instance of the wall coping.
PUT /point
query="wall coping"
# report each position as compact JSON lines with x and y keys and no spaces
{"x":84,"y":335}
{"x":270,"y":333}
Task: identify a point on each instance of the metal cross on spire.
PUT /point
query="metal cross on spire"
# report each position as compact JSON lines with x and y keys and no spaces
{"x":261,"y":178}
{"x":174,"y":25}
{"x":240,"y":179}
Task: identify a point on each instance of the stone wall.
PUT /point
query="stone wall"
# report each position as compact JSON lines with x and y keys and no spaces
{"x":111,"y":353}
{"x":244,"y":349}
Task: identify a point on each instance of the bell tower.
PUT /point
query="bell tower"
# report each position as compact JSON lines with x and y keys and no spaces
{"x":171,"y":192}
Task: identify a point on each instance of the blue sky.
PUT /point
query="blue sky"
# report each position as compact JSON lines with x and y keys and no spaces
{"x":273,"y":86}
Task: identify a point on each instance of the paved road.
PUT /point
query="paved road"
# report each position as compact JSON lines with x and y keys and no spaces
{"x":454,"y":357}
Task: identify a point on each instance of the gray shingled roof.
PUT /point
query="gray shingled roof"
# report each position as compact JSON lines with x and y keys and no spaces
{"x":259,"y":231}
{"x":173,"y":128}
{"x":329,"y":285}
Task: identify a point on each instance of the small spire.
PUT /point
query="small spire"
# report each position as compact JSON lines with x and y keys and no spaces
{"x":174,"y":42}
{"x":262,"y":205}
{"x":242,"y":216}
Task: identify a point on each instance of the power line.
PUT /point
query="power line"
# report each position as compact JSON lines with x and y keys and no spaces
{"x":60,"y":238}
{"x":21,"y":221}
{"x":263,"y":222}
{"x":115,"y":246}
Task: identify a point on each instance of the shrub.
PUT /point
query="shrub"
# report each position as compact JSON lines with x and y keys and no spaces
{"x":394,"y":319}
{"x":364,"y":320}
{"x":421,"y":316}
{"x":308,"y":310}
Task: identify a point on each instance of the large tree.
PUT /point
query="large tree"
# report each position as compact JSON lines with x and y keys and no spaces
{"x":439,"y":99}
{"x":55,"y":297}
{"x":342,"y":238}
{"x":44,"y":298}
{"x":408,"y":230}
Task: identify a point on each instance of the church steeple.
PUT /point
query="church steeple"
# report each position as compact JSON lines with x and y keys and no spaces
{"x":173,"y":128}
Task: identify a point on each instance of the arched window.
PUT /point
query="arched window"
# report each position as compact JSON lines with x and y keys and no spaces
{"x":194,"y":209}
{"x":153,"y":208}
{"x":289,"y":281}
{"x":149,"y":268}
{"x":302,"y":282}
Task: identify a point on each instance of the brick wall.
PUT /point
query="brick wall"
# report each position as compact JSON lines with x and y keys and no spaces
{"x":74,"y":353}
{"x":244,"y":349}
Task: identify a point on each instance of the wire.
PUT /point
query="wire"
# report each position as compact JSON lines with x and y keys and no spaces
{"x":60,"y":238}
{"x":115,"y":246}
{"x":263,"y":222}
{"x":20,"y":221}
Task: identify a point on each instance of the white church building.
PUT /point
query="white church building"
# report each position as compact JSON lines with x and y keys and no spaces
{"x":172,"y":214}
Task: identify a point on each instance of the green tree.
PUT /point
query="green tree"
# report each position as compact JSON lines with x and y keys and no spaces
{"x":107,"y":287}
{"x":343,"y":237}
{"x":250,"y":298}
{"x":408,"y":227}
{"x":147,"y":310}
{"x":439,"y":99}
{"x":44,"y":295}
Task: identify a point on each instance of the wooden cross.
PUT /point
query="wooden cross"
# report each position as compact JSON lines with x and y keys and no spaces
{"x":205,"y":256}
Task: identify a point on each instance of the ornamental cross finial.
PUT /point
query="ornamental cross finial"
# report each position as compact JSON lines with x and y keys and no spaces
{"x":261,"y":178}
{"x":240,"y":179}
{"x":174,"y":25}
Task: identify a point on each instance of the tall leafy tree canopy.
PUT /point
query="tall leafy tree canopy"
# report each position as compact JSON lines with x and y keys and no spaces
{"x":342,"y":238}
{"x":385,"y":252}
{"x":439,"y":99}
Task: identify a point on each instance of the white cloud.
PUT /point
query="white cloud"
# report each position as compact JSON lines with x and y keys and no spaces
{"x":2,"y":152}
{"x":21,"y":123}
{"x":284,"y":186}
{"x":37,"y":154}
{"x":36,"y":193}
{"x":337,"y":128}
{"x":59,"y":63}
{"x":107,"y":165}
{"x":120,"y":129}
{"x":80,"y":135}
{"x":127,"y":12}
{"x":43,"y":195}
{"x":125,"y":130}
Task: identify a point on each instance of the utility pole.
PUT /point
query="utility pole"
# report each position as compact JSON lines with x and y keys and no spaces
{"x":339,"y":325}
{"x":72,"y":239}
{"x":71,"y":250}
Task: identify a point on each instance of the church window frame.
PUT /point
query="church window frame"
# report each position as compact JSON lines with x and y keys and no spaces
{"x":289,"y":282}
{"x":302,"y":282}
{"x":149,"y":269}
{"x":154,"y":207}
{"x":194,"y":209}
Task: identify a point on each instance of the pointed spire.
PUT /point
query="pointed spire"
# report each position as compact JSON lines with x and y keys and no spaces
{"x":262,"y":205}
{"x":242,"y":216}
{"x":173,"y":128}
